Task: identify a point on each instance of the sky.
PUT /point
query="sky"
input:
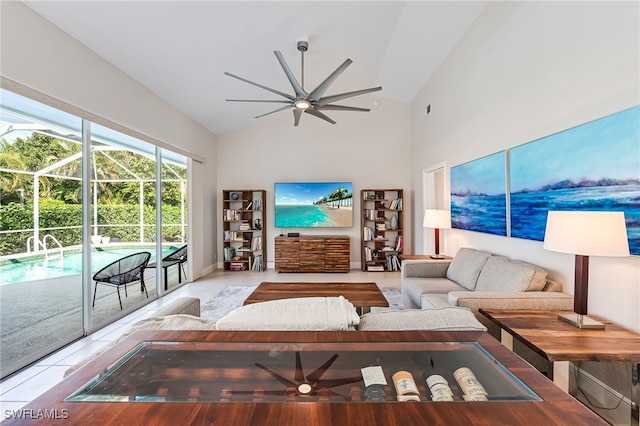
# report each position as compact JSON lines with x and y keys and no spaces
{"x":299,"y":193}
{"x":485,"y":175}
{"x":605,"y":148}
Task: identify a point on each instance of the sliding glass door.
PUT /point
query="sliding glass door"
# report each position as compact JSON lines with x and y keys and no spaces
{"x":75,"y":198}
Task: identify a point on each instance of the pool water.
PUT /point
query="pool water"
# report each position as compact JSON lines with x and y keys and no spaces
{"x":70,"y":264}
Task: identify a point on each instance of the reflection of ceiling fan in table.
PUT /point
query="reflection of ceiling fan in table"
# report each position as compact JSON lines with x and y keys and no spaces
{"x":308,"y":385}
{"x":302,"y":101}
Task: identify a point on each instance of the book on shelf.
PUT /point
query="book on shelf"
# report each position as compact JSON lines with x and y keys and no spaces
{"x":367,"y":234}
{"x":256,"y":243}
{"x":396,"y":204}
{"x":249,"y":205}
{"x":244,"y":226}
{"x":256,"y":265}
{"x":375,"y":268}
{"x":237,"y":266}
{"x":257,"y":204}
{"x":231,"y":214}
{"x":393,"y":262}
{"x":399,"y":243}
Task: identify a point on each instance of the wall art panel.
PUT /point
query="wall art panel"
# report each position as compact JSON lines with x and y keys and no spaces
{"x":478,"y":195}
{"x":594,"y":166}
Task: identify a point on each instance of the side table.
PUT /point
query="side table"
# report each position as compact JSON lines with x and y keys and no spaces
{"x":561,"y":343}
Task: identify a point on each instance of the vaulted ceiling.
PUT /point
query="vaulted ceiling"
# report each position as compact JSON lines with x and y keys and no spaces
{"x":181,"y":49}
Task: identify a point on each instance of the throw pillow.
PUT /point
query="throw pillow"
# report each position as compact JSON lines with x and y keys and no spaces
{"x":503,"y":274}
{"x":466,"y":266}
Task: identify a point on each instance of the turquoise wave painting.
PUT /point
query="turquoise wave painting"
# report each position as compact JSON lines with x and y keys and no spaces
{"x":594,"y":166}
{"x":478,"y":199}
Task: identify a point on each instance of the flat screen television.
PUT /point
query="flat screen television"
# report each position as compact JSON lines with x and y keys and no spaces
{"x":313,"y":204}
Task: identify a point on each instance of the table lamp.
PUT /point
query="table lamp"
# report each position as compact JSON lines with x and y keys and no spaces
{"x":437,"y":219}
{"x":585,"y":233}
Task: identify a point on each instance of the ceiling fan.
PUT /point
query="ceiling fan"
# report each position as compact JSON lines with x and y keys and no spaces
{"x":302,"y":101}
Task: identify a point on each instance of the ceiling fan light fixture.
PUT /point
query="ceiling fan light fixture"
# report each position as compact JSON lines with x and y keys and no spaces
{"x":302,"y":104}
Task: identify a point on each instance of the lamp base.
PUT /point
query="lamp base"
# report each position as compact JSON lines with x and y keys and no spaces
{"x":581,"y":321}
{"x":437,"y":256}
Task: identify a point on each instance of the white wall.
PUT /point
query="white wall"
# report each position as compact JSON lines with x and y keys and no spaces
{"x":43,"y":60}
{"x":526,"y":70}
{"x":370,"y":149}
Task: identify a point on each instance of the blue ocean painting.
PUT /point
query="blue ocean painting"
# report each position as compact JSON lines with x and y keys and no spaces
{"x":595,"y":166}
{"x":478,"y":195}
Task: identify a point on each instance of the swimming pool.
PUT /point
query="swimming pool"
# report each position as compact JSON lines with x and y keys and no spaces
{"x":33,"y":269}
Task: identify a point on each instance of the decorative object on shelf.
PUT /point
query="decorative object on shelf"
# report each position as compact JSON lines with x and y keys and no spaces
{"x":235,"y":196}
{"x":257,"y":224}
{"x":393,"y":222}
{"x":302,"y":101}
{"x":437,"y":219}
{"x":585,"y":233}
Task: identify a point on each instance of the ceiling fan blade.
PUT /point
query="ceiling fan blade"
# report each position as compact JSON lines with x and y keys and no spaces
{"x":275,"y":110}
{"x":297,"y":113}
{"x":277,"y":92}
{"x":315,"y":376}
{"x":299,"y":374}
{"x":278,"y":377}
{"x":257,"y":100}
{"x":342,"y":108}
{"x":337,"y":382}
{"x":328,"y":99}
{"x":317,"y":93}
{"x":300,"y":93}
{"x":318,"y":114}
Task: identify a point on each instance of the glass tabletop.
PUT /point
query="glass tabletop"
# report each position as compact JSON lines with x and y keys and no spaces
{"x":305,"y":372}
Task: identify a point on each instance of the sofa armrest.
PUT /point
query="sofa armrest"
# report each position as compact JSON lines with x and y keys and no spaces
{"x":436,"y":268}
{"x":547,"y":300}
{"x":182,"y":305}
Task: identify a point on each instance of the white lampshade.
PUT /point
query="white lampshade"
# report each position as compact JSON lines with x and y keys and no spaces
{"x":587,"y":233}
{"x":440,"y":219}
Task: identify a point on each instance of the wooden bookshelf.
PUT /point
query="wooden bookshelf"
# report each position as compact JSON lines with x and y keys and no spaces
{"x":382,"y":234}
{"x":244,"y":230}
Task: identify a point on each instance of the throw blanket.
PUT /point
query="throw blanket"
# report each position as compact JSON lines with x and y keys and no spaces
{"x":303,"y":313}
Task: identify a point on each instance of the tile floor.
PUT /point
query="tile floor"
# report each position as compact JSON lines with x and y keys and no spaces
{"x":22,"y":387}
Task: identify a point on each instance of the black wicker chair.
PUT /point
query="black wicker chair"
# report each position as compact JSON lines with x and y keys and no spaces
{"x":177,"y":257}
{"x":126,"y":270}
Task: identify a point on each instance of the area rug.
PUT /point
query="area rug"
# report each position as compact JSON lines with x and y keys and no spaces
{"x":231,"y":298}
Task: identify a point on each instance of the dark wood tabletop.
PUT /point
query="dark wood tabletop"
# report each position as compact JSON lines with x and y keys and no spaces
{"x":557,"y":340}
{"x":555,"y":408}
{"x":360,"y":294}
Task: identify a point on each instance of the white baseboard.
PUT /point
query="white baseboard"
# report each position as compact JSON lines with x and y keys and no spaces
{"x":603,"y":395}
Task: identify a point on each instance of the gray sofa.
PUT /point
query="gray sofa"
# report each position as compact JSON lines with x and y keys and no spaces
{"x":294,"y":314}
{"x":479,"y":279}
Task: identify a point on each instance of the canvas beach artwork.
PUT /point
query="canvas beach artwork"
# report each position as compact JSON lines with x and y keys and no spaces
{"x":594,"y":166}
{"x":478,"y":195}
{"x":313,"y":204}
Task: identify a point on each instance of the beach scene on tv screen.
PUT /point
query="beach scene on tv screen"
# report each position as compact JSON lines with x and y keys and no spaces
{"x":313,"y":204}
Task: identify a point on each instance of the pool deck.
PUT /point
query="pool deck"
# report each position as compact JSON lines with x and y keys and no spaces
{"x":36,"y":315}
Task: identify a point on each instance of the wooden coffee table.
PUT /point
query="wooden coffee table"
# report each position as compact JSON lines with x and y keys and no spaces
{"x":362,"y":295}
{"x":202,"y":380}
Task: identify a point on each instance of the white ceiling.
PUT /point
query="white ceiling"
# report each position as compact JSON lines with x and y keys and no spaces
{"x":180,"y":49}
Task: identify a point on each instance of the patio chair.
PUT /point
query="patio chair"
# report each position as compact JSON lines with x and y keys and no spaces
{"x":176,"y":257}
{"x":123,"y":271}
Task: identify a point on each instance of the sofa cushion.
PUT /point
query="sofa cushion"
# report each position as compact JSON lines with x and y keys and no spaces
{"x":303,"y":313}
{"x":416,"y":287}
{"x":466,"y":266}
{"x":439,"y":319}
{"x":503,"y":274}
